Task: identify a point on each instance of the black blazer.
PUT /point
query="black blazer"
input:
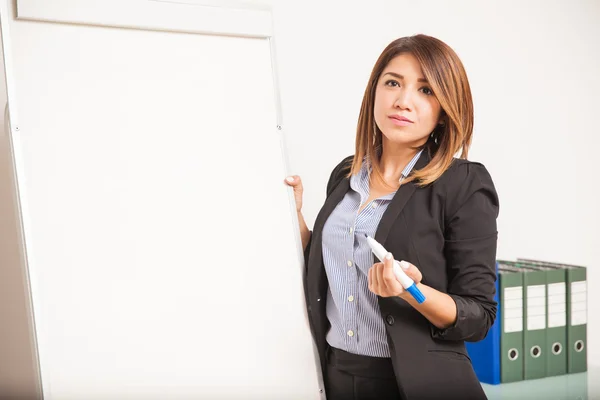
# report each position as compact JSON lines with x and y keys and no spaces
{"x":448,"y":230}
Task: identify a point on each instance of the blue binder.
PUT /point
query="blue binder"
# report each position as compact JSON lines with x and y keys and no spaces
{"x":485,"y":354}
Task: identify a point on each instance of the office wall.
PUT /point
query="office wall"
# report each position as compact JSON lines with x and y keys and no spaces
{"x":534,"y":68}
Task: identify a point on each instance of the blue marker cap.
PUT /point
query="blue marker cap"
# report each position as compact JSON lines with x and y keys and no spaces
{"x":416,"y":293}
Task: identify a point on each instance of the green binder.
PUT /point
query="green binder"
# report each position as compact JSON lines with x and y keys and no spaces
{"x":576,"y":277}
{"x":534,"y":333}
{"x":556,"y":318}
{"x":511,"y":312}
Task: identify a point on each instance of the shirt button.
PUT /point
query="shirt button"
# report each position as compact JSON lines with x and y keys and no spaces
{"x":351,"y":230}
{"x":350,"y":298}
{"x":374,"y":205}
{"x":349,"y":263}
{"x":389,"y":319}
{"x":350,"y":333}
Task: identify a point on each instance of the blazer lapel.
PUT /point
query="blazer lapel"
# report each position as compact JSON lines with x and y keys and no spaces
{"x":316,"y":251}
{"x":400,"y":199}
{"x":389,"y":217}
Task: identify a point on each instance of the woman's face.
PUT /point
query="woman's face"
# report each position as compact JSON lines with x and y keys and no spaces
{"x":406,"y":111}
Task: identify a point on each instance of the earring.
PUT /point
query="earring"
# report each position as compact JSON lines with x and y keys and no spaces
{"x":434,"y":135}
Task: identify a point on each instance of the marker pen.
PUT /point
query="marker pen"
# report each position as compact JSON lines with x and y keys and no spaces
{"x":406,"y":282}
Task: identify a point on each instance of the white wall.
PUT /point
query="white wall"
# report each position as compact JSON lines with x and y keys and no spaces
{"x":534,"y":68}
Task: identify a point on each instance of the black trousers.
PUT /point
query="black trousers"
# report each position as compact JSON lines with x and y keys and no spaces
{"x":355,"y":377}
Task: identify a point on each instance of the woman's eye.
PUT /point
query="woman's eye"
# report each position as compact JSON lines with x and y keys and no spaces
{"x":427,"y":91}
{"x":392,"y":83}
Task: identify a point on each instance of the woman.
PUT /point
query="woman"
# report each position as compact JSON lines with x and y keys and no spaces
{"x":436,"y":213}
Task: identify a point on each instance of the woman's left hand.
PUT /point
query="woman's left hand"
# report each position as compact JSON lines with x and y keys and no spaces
{"x":383,"y":282}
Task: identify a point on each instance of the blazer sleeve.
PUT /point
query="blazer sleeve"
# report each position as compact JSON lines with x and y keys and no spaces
{"x":470,"y":250}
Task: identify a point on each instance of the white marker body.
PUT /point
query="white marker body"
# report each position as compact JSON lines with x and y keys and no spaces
{"x":381,"y":252}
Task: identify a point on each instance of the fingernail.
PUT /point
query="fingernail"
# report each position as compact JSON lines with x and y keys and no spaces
{"x":388,"y":256}
{"x":404,"y":265}
{"x":290,"y":179}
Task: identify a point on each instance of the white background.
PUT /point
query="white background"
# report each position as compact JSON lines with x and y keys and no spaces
{"x":534,"y":69}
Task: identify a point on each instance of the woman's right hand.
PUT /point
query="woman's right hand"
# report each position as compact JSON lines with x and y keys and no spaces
{"x":295,"y":182}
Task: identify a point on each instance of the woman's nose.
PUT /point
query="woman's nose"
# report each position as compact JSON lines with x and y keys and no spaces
{"x":404,"y":100}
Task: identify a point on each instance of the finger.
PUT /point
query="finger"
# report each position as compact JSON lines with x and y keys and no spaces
{"x":387,"y":273}
{"x":381,"y":278}
{"x":374,"y":277}
{"x":370,"y":279}
{"x":412,"y":271}
{"x":295,"y":181}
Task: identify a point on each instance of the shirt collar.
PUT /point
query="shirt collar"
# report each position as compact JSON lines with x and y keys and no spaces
{"x":361,"y":179}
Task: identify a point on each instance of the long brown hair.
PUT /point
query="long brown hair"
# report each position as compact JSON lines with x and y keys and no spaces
{"x":448,"y":80}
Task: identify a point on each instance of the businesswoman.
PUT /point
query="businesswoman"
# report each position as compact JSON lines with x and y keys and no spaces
{"x":433,"y":211}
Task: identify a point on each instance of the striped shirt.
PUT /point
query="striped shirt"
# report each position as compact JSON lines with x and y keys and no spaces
{"x":352,"y":309}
